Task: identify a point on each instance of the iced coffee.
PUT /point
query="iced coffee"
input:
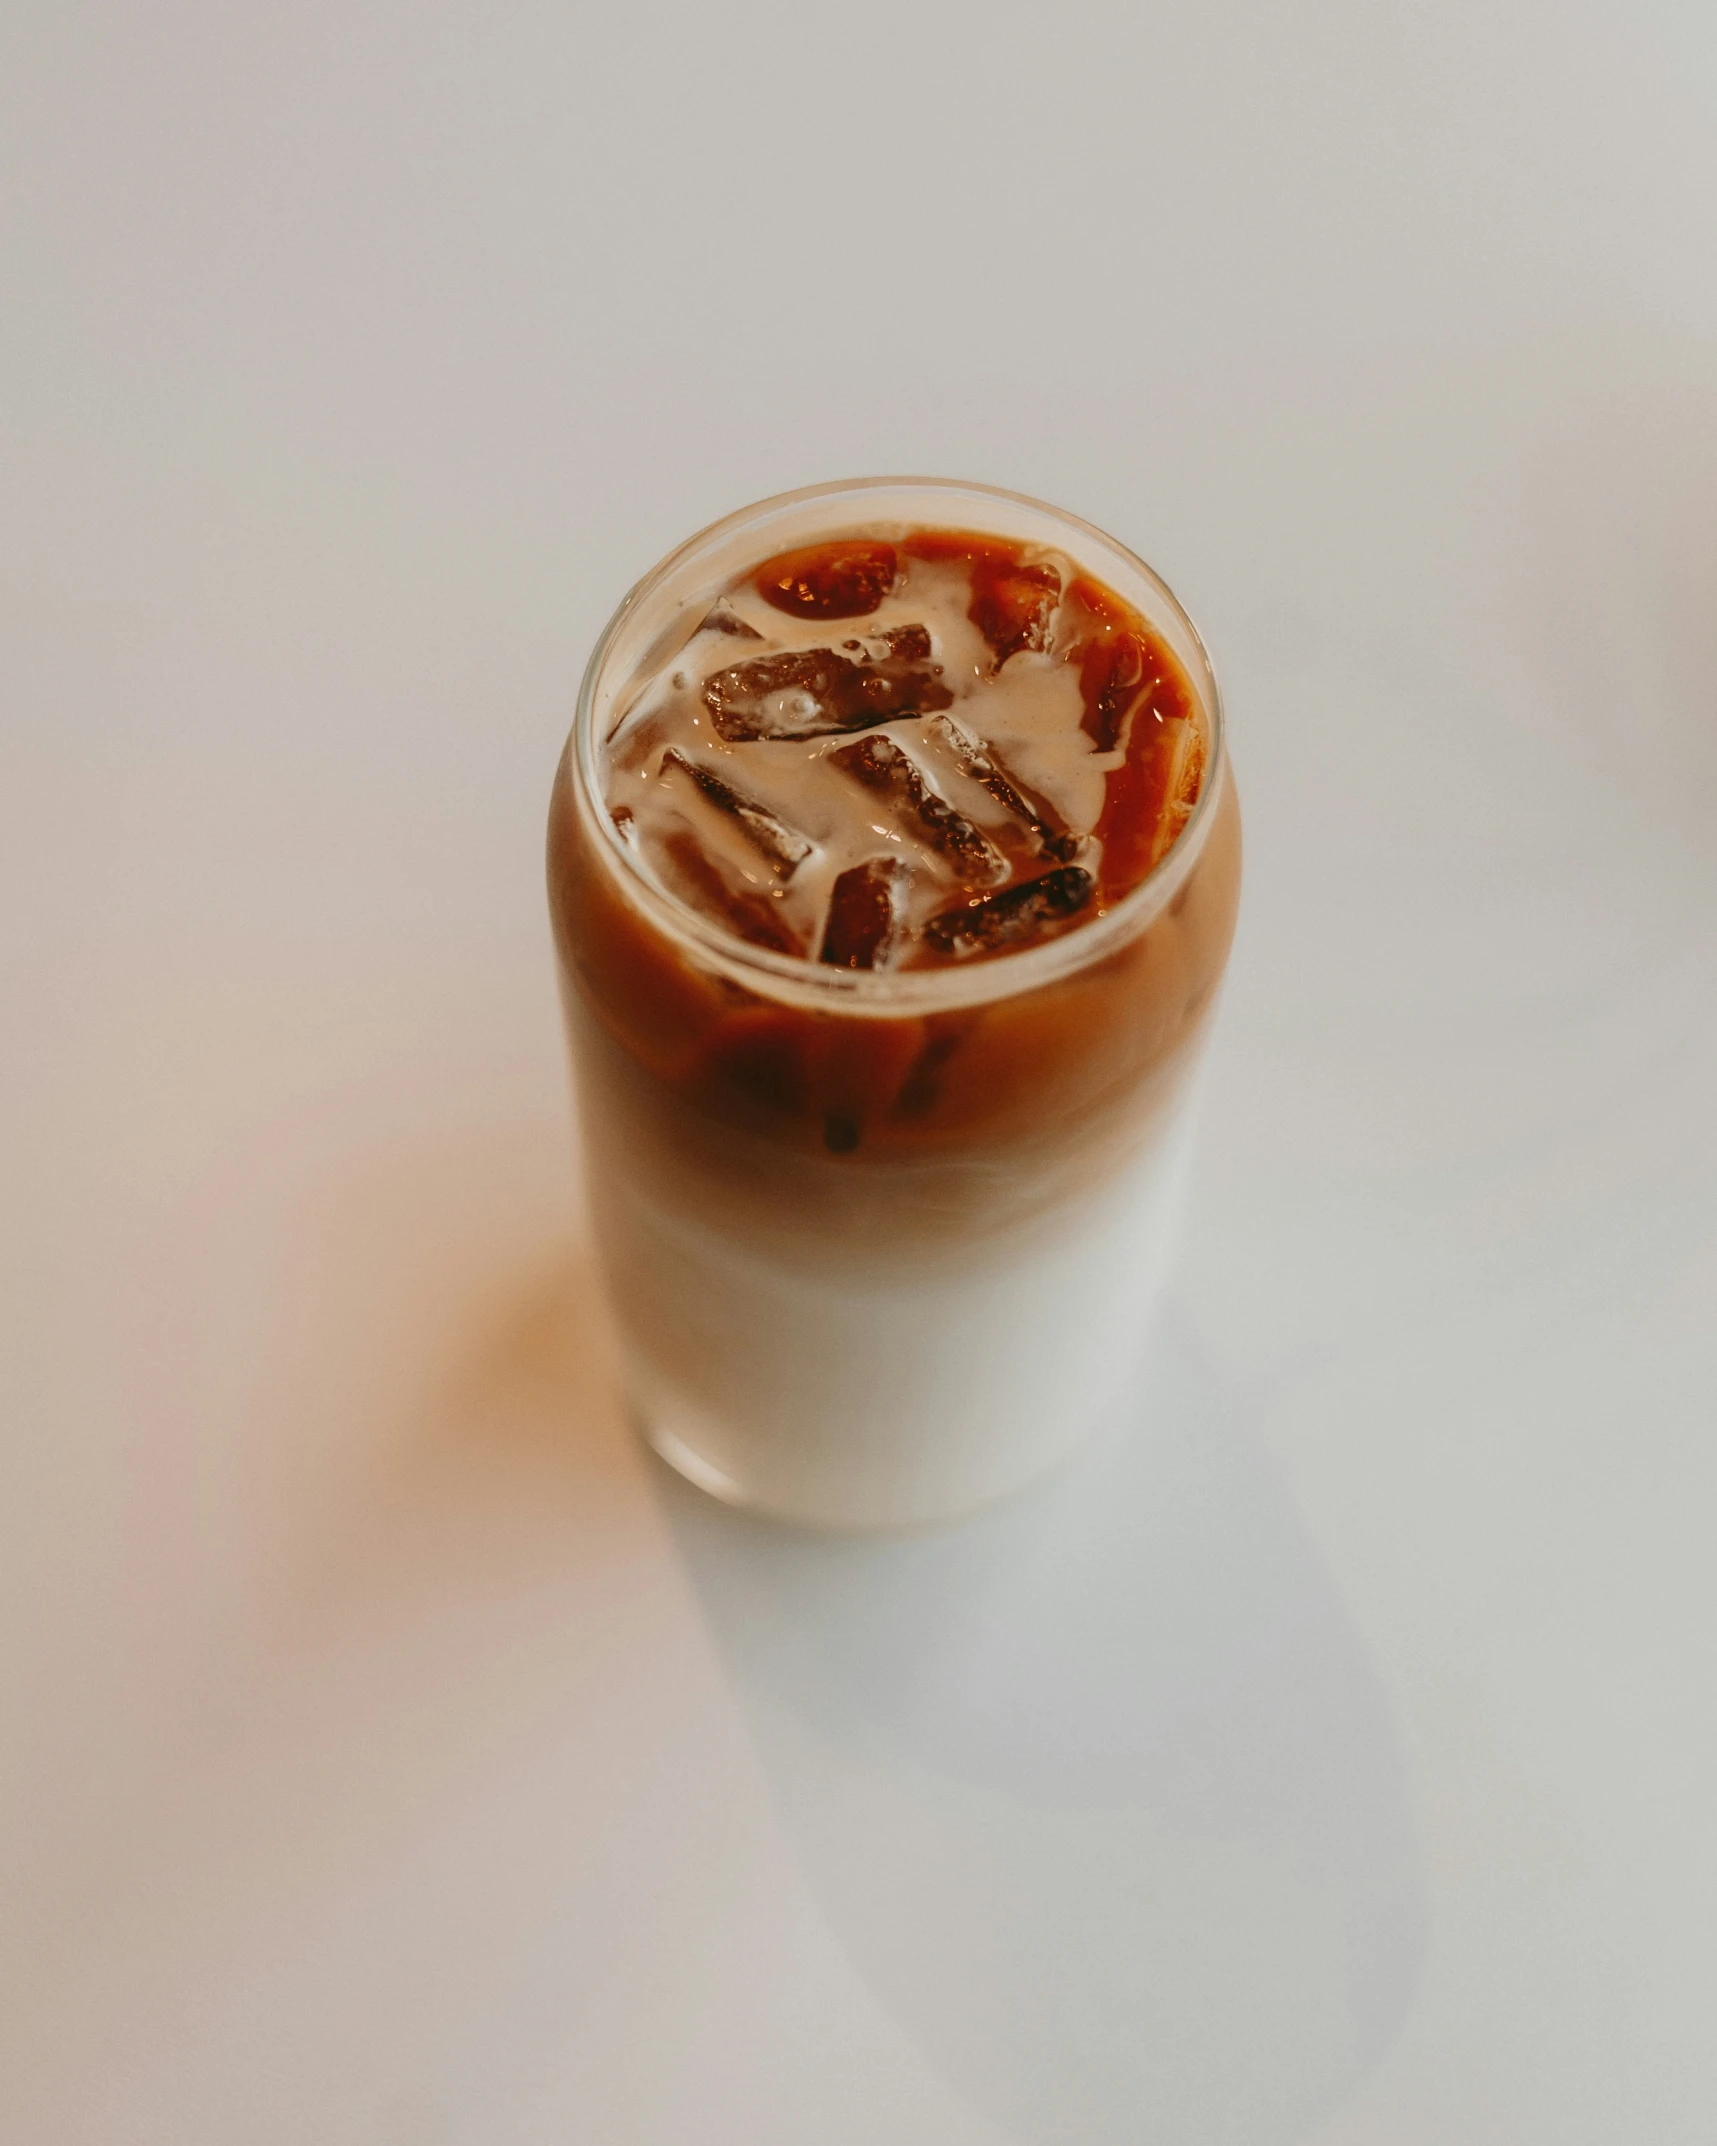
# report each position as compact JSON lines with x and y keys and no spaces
{"x":893,"y":863}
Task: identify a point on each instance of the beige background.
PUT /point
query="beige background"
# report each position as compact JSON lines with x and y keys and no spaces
{"x":388,"y":1752}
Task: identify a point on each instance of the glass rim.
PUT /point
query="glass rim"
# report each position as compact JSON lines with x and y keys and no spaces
{"x":794,"y":978}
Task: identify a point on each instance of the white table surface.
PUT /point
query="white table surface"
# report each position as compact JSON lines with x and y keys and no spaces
{"x":391,"y":1752}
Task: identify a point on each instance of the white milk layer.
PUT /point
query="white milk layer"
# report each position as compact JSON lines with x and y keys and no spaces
{"x":860,"y":1402}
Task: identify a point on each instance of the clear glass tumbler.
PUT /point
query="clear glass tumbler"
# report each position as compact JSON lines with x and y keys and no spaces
{"x":901,"y":1328}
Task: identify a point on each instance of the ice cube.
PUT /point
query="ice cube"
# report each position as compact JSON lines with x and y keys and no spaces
{"x":862,"y":919}
{"x":1013,"y":604}
{"x":723,"y":618}
{"x":847,"y":578}
{"x":817,"y":693}
{"x":882,"y":765}
{"x":1113,"y":671}
{"x":700,"y":882}
{"x":637,"y":740}
{"x":983,"y":765}
{"x":922,"y":1088}
{"x":1012,"y":916}
{"x":784,"y":847}
{"x":1184,"y":778}
{"x":911,"y":643}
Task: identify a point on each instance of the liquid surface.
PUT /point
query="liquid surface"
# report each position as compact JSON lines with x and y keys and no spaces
{"x":908,"y":751}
